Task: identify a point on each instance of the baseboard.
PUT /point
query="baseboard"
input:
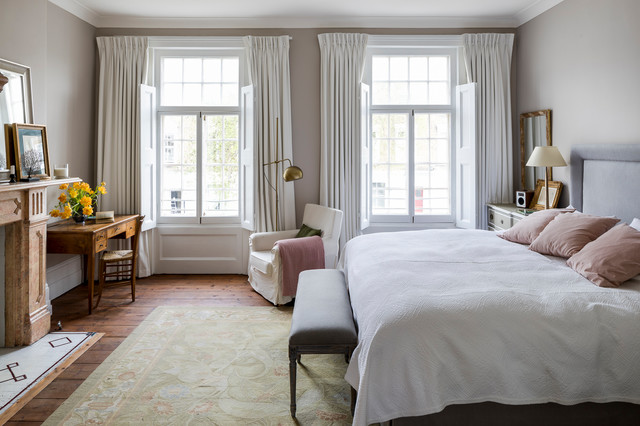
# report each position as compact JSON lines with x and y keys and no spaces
{"x":64,"y":276}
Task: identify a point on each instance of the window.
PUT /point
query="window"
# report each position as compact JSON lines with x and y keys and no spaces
{"x":412,"y":116}
{"x":198,"y":128}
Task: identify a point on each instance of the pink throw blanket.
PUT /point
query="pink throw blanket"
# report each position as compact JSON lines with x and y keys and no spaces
{"x":297,"y":255}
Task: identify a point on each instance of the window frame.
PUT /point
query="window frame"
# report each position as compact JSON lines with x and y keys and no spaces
{"x":416,"y":47}
{"x":198,"y":49}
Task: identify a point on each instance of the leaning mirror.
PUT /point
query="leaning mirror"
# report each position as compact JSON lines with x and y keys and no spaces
{"x":15,"y":101}
{"x":535,"y":130}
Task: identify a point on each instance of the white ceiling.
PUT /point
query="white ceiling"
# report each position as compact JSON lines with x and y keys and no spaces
{"x":306,"y":13}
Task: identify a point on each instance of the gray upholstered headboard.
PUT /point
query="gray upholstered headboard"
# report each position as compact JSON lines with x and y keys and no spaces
{"x":605,"y":180}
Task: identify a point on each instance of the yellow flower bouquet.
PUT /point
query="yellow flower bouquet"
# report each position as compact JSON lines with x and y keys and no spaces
{"x":77,"y":201}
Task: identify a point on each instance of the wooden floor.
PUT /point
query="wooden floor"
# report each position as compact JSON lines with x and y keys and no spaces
{"x":117,"y":317}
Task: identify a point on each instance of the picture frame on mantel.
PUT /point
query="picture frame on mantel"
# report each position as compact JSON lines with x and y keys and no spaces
{"x":538,"y":201}
{"x":31,"y":151}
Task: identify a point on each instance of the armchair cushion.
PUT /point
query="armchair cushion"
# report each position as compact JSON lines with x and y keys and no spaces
{"x":307,"y":231}
{"x":262,"y":261}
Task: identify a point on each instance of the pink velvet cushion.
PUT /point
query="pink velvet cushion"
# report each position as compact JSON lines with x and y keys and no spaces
{"x":566,"y":234}
{"x":528,"y":228}
{"x":611,"y":259}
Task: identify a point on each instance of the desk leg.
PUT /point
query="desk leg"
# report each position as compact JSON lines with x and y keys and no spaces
{"x":91,"y":261}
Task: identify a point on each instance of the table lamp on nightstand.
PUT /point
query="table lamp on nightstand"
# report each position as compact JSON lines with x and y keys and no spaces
{"x":546,"y":156}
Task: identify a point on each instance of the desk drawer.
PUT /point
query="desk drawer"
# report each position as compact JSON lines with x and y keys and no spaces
{"x":115,"y":230}
{"x":101,"y":242}
{"x":131,"y":228}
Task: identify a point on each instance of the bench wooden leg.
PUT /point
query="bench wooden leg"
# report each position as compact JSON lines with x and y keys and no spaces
{"x":293,"y":357}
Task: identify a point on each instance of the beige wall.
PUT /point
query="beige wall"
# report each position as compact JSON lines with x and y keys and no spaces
{"x":304,"y":56}
{"x":581,"y":59}
{"x":71,"y":95}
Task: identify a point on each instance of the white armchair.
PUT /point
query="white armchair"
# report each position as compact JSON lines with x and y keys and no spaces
{"x":265,"y":272}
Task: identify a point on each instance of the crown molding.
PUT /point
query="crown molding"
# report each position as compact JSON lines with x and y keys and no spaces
{"x":308,"y":22}
{"x":79,"y":10}
{"x":107,"y":21}
{"x":535,"y":9}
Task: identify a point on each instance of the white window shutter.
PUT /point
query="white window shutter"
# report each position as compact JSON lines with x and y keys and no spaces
{"x":148,"y":156}
{"x":466,"y":191}
{"x":365,"y":147}
{"x":247,"y":159}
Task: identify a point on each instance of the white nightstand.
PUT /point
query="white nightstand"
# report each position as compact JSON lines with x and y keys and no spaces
{"x":503,"y":216}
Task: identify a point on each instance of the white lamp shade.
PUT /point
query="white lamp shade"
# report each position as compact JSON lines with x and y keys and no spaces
{"x":546,"y":156}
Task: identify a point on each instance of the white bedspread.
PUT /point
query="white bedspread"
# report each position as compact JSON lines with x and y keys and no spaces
{"x":459,"y":316}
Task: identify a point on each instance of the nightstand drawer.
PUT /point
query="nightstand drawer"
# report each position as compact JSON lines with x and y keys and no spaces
{"x":499,"y":220}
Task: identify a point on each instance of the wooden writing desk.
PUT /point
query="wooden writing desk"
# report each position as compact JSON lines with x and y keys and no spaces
{"x":89,"y":240}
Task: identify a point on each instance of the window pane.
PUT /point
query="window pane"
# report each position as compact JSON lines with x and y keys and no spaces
{"x":431,"y":164}
{"x":410,"y":80}
{"x":439,"y":68}
{"x":192,"y":70}
{"x":198,"y":81}
{"x":390,"y":164}
{"x":172,"y":69}
{"x":221,"y":165}
{"x":178,"y":165}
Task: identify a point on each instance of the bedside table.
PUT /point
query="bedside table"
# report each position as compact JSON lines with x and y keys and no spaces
{"x":503,"y":216}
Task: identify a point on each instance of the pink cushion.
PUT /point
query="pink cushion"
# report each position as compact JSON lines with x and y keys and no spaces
{"x":611,"y":259}
{"x":528,"y":228}
{"x":566,"y":234}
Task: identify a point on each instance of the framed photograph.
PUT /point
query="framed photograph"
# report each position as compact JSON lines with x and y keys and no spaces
{"x":31,"y":151}
{"x":538,"y":201}
{"x":8,"y":141}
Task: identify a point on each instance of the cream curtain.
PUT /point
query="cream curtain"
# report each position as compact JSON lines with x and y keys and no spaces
{"x":488,"y":63}
{"x":342,"y":59}
{"x":122,"y":68}
{"x":268,"y":63}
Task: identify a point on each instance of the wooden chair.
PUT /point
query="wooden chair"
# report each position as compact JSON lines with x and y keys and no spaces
{"x":121,"y":265}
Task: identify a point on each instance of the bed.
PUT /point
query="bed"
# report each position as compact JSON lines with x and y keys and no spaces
{"x":462,"y":318}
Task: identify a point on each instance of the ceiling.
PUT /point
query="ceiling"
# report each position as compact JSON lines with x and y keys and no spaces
{"x":306,"y":13}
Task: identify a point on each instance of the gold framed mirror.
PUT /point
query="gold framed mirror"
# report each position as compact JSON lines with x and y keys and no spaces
{"x":15,"y":102}
{"x":535,"y":130}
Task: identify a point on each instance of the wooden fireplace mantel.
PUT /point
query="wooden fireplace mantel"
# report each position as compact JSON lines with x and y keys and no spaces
{"x":23,"y":213}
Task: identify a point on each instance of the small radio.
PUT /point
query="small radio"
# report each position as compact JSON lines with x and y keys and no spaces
{"x":523,"y":198}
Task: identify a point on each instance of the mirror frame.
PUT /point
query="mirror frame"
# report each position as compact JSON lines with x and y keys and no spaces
{"x":27,"y":100}
{"x":523,"y":161}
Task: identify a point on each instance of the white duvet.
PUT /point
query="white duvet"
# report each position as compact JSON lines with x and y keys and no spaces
{"x":460,"y":316}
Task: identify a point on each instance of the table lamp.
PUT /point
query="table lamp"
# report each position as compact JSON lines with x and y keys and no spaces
{"x":546,"y":156}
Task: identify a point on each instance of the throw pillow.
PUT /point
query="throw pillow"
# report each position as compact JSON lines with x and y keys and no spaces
{"x":528,"y":229}
{"x":566,"y":234}
{"x":611,"y":259}
{"x":307,"y":231}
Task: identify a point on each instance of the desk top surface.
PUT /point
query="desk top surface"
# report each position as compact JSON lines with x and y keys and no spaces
{"x":70,"y":227}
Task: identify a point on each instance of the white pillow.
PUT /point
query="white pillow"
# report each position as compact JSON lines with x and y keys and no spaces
{"x":635,"y":224}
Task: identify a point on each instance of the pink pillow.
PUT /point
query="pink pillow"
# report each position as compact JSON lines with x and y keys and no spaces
{"x":611,"y":259}
{"x":528,"y":228}
{"x":566,"y":234}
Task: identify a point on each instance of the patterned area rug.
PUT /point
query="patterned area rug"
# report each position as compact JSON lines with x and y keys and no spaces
{"x":194,"y":365}
{"x":26,"y":370}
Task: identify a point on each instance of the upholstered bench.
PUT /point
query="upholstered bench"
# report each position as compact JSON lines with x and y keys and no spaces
{"x":322,"y":321}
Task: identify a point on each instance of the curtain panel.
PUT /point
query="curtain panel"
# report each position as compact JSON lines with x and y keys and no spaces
{"x":268,"y":63}
{"x":342,"y":60}
{"x":488,"y":63}
{"x":122,"y":68}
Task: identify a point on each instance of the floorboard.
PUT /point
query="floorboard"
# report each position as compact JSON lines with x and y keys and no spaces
{"x":117,"y":317}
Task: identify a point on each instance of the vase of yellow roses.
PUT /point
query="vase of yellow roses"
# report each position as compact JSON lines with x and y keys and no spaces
{"x":77,"y":201}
